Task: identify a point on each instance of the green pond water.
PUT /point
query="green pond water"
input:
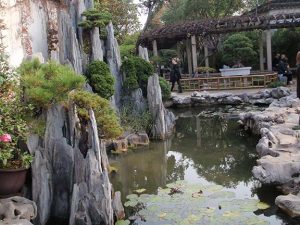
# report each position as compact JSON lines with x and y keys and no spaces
{"x":207,"y":163}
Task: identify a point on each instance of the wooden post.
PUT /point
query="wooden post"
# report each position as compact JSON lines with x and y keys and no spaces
{"x":194,"y":53}
{"x":154,"y":44}
{"x":206,"y":56}
{"x":261,"y":53}
{"x":189,"y":56}
{"x":269,"y":49}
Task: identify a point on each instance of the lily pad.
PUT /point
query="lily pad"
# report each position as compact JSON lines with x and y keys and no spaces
{"x":231,"y":214}
{"x":132,"y":196}
{"x":140,"y":191}
{"x":131,"y":203}
{"x":197,"y":204}
{"x":122,"y":222}
{"x":262,"y":205}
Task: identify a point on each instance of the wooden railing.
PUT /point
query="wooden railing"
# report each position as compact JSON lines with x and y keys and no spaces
{"x":227,"y":83}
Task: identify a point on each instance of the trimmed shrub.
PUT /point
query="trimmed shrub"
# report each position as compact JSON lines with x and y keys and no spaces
{"x":206,"y":70}
{"x":137,"y":72}
{"x":238,"y":48}
{"x":129,"y":70}
{"x":165,"y":88}
{"x":106,"y":118}
{"x":45,"y":84}
{"x":95,"y":18}
{"x":100,"y":78}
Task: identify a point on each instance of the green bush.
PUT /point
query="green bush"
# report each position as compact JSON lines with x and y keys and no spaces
{"x":276,"y":84}
{"x":127,"y":50}
{"x":238,"y":48}
{"x":45,"y":84}
{"x":106,"y":118}
{"x":100,"y":78}
{"x":127,"y":47}
{"x":129,"y":70}
{"x":95,"y":18}
{"x":135,"y":122}
{"x":206,"y":70}
{"x":165,"y":88}
{"x":137,"y":72}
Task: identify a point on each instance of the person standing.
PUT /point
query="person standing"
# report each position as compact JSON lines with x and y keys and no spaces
{"x":298,"y":73}
{"x":276,"y":61}
{"x":175,"y":75}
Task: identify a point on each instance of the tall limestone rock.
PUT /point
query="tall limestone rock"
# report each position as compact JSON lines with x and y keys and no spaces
{"x":143,"y":53}
{"x":70,"y":170}
{"x":164,"y":120}
{"x":114,"y":61}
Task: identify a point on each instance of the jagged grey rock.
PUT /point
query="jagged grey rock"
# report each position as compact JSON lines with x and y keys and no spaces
{"x":289,"y":203}
{"x":278,"y":147}
{"x":118,"y":207}
{"x":164,"y":120}
{"x":15,"y":222}
{"x":97,"y":53}
{"x":113,"y":57}
{"x":265,"y":97}
{"x":70,"y":170}
{"x":69,"y":52}
{"x":136,"y":101}
{"x":143,"y":53}
{"x":17,"y":210}
{"x":280,"y":92}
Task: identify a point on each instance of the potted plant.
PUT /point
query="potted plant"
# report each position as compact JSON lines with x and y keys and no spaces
{"x":14,"y":164}
{"x":14,"y":159}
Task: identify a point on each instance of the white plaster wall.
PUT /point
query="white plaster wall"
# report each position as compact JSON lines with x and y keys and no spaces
{"x":38,"y":29}
{"x":12,"y":40}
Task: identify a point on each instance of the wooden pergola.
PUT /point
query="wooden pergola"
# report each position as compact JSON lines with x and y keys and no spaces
{"x":272,"y":15}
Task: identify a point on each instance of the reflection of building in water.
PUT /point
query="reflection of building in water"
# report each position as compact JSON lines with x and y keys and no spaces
{"x":219,"y":150}
{"x":145,"y":169}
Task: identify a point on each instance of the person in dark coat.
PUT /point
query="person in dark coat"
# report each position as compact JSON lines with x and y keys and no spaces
{"x":175,"y":75}
{"x":284,"y":69}
{"x":276,"y":61}
{"x":298,"y":73}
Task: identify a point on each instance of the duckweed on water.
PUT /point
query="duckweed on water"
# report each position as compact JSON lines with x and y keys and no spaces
{"x":195,"y":204}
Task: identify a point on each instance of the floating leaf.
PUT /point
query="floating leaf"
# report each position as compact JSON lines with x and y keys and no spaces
{"x":132,"y":196}
{"x":231,"y":214}
{"x":197,"y":204}
{"x":262,"y":205}
{"x":131,"y":203}
{"x":122,"y":222}
{"x":162,"y":215}
{"x":140,"y":191}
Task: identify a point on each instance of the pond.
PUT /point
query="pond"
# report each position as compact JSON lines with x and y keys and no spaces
{"x":201,"y":175}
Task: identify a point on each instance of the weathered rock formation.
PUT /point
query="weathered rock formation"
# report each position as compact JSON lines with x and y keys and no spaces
{"x":143,"y":53}
{"x":279,"y":148}
{"x":129,"y":140}
{"x":17,"y":211}
{"x":265,"y":97}
{"x":164,"y":120}
{"x":289,"y":203}
{"x":70,"y":170}
{"x":113,"y":57}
